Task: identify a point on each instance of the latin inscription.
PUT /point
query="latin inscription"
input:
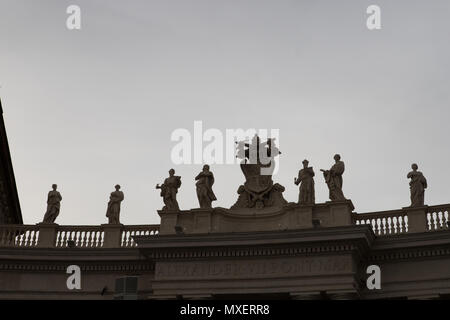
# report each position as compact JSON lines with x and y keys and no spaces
{"x":252,"y":269}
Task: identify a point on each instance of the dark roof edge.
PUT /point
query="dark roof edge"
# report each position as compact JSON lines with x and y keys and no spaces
{"x":7,"y":168}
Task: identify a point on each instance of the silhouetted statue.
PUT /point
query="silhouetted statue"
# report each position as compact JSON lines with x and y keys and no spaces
{"x":113,"y":211}
{"x":258,"y":165}
{"x":333,"y":178}
{"x":205,"y":181}
{"x":169,"y":191}
{"x":418,"y":184}
{"x":53,"y":205}
{"x":306,"y":181}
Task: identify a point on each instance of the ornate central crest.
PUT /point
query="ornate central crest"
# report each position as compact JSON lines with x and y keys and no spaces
{"x":258,"y":164}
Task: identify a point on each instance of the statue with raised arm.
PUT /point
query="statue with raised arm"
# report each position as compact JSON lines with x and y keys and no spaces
{"x":113,"y":211}
{"x":333,"y":178}
{"x":205,"y":181}
{"x":418,"y":184}
{"x":306,"y":181}
{"x":169,"y":191}
{"x":53,"y":205}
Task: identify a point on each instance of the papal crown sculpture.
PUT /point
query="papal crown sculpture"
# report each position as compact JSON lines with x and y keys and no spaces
{"x":258,"y":191}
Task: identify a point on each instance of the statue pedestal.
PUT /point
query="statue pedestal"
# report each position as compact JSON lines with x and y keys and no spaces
{"x":169,"y":220}
{"x":113,"y":235}
{"x":47,"y":235}
{"x":334,"y":213}
{"x":288,"y":217}
{"x":417,"y":218}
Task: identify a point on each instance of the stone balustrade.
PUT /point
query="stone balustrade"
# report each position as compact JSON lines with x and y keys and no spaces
{"x":395,"y":222}
{"x":56,"y":236}
{"x":384,"y":223}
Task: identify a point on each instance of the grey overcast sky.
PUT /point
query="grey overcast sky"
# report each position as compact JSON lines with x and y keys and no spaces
{"x":91,"y":108}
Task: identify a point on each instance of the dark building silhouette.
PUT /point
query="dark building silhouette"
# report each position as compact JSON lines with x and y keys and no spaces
{"x":9,"y":199}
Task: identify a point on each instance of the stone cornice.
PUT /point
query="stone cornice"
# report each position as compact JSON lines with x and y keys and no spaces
{"x":112,"y":266}
{"x":58,"y":254}
{"x":336,"y":240}
{"x":258,"y":238}
{"x":411,"y":246}
{"x":45,"y":260}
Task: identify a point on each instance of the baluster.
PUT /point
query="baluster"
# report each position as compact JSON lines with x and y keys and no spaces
{"x":18,"y":238}
{"x":68,"y":235}
{"x":26,"y":240}
{"x":129,"y":243}
{"x":103,"y":238}
{"x":58,"y":238}
{"x":380,"y":226}
{"x":63,"y":239}
{"x":130,"y":239}
{"x":33,"y":238}
{"x":440,"y":219}
{"x":389,"y":225}
{"x":132,"y":233}
{"x":98,"y":240}
{"x":87,"y":239}
{"x":83,"y":238}
{"x":373,"y":224}
{"x":428,"y":221}
{"x":435,"y":221}
{"x":95,"y":238}
{"x":23,"y":237}
{"x":123,"y":242}
{"x":446,"y":219}
{"x":394,"y":225}
{"x":69,"y":238}
{"x":92,"y":238}
{"x":30,"y":238}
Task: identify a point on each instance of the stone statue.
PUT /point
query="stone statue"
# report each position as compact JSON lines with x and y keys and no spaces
{"x":205,"y":181}
{"x":418,"y":184}
{"x":257,"y":164}
{"x":333,"y":178}
{"x":53,"y":205}
{"x":306,"y":181}
{"x":169,"y":191}
{"x":113,"y":211}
